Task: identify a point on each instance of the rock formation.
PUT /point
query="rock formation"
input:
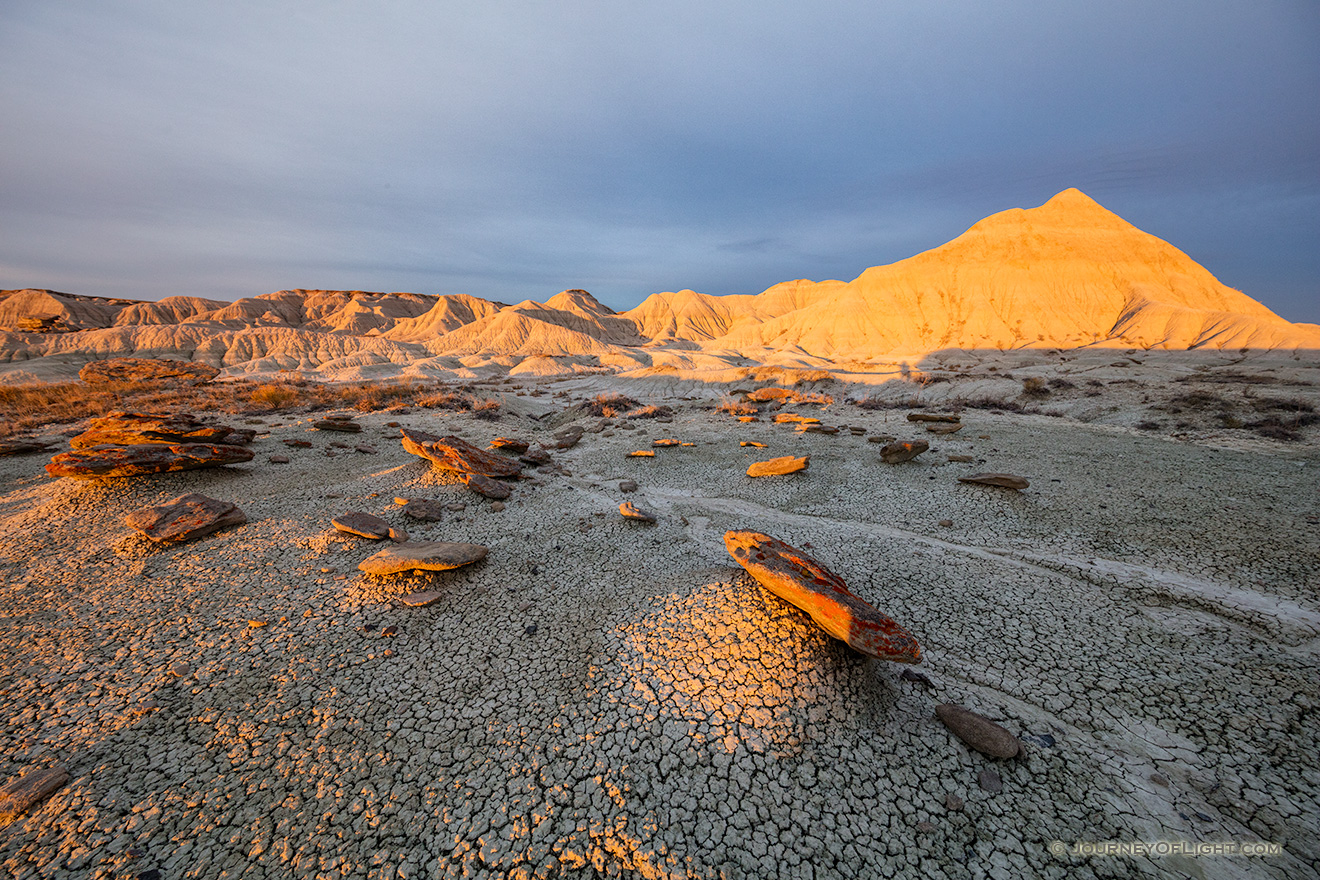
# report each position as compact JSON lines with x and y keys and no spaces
{"x":144,"y":458}
{"x":802,"y":581}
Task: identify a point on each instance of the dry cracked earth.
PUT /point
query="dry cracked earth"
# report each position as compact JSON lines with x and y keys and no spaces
{"x":602,"y":697}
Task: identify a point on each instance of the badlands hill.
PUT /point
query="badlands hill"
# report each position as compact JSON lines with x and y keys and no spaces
{"x":1069,"y":274}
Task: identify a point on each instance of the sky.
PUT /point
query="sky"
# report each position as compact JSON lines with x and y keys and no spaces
{"x":511,"y":150}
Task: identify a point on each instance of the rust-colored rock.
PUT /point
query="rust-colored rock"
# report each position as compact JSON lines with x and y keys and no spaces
{"x":979,"y":732}
{"x":903,"y":451}
{"x":786,"y":464}
{"x":22,"y":447}
{"x":341,"y":424}
{"x":1005,"y":481}
{"x":642,"y":453}
{"x":144,"y":458}
{"x":422,"y":555}
{"x":29,"y":790}
{"x":455,"y":454}
{"x":364,"y":525}
{"x":536,"y":455}
{"x":128,"y":429}
{"x":486,"y":486}
{"x":751,"y":443}
{"x":802,"y":581}
{"x":933,"y":417}
{"x":567,"y":438}
{"x":124,"y":370}
{"x":944,"y":428}
{"x":422,"y":598}
{"x":422,"y":509}
{"x":511,"y":445}
{"x":667,"y":441}
{"x":185,"y":518}
{"x":632,"y":511}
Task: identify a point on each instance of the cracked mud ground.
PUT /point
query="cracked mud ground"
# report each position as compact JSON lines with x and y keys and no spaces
{"x":604,"y":697}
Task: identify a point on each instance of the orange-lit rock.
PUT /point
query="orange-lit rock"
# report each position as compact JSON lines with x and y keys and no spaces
{"x":456,"y":454}
{"x":126,"y":429}
{"x":145,"y":458}
{"x":422,"y":555}
{"x":798,"y":579}
{"x":185,"y":518}
{"x":786,"y":464}
{"x":899,"y":452}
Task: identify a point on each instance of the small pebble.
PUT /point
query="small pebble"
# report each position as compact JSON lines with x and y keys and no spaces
{"x":989,"y":781}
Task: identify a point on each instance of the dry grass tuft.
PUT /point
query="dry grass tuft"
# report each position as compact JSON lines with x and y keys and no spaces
{"x":649,"y":412}
{"x":736,"y":407}
{"x":609,"y":404}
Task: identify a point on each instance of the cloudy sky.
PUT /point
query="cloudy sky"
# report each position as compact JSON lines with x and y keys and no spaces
{"x":514,"y":149}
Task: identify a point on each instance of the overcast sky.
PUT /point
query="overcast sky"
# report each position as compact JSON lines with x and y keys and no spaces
{"x":514,"y":149}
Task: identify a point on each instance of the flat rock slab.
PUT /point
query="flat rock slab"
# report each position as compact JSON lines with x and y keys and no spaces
{"x":905,"y":451}
{"x":146,"y":370}
{"x":632,"y":511}
{"x":667,"y":441}
{"x":751,"y":443}
{"x":364,"y":525}
{"x":422,"y":599}
{"x":1006,"y":481}
{"x":642,"y":453}
{"x":978,"y":732}
{"x":128,"y":428}
{"x":455,"y":454}
{"x":511,"y":445}
{"x":933,"y":417}
{"x":534,"y":456}
{"x":343,"y":426}
{"x":486,"y":486}
{"x":185,"y":518}
{"x":423,"y":510}
{"x":145,"y":458}
{"x":796,"y":578}
{"x":29,"y":790}
{"x":786,"y":464}
{"x":22,"y":447}
{"x":880,"y":438}
{"x":422,"y":555}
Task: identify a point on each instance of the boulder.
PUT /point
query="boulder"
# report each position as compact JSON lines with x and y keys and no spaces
{"x":128,"y":429}
{"x":144,"y":458}
{"x":1006,"y":481}
{"x":485,"y":486}
{"x":796,"y":578}
{"x":29,"y":790}
{"x":933,"y":417}
{"x":454,"y":454}
{"x":185,"y":518}
{"x":126,"y":370}
{"x":423,"y":555}
{"x":632,"y":511}
{"x":978,"y":732}
{"x":364,"y":525}
{"x":786,"y":464}
{"x":903,"y":451}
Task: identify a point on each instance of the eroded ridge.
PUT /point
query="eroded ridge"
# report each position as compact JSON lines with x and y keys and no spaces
{"x":798,"y":579}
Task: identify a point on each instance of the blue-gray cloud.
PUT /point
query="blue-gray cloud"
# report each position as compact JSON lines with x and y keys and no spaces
{"x":512,"y":149}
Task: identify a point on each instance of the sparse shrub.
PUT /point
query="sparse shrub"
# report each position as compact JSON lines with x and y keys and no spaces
{"x":736,"y":407}
{"x":649,"y":412}
{"x":609,"y":404}
{"x":487,"y":409}
{"x":1034,"y":386}
{"x":273,"y":396}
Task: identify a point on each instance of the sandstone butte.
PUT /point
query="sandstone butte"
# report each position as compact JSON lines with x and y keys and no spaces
{"x":1063,"y":275}
{"x":802,"y":581}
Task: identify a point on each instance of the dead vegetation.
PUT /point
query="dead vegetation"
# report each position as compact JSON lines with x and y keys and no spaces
{"x":25,"y":408}
{"x":735,"y":407}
